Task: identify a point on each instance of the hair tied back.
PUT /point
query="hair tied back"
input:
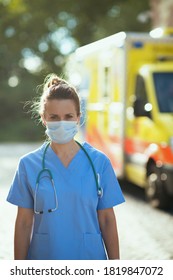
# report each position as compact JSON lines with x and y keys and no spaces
{"x":54,"y":82}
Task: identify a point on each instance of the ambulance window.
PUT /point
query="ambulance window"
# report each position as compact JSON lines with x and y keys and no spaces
{"x":163,"y":82}
{"x":141,"y":105}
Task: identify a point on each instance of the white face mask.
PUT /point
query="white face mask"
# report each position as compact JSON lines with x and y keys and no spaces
{"x":61,"y":132}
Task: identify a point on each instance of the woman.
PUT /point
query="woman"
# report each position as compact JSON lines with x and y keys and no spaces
{"x":62,"y":213}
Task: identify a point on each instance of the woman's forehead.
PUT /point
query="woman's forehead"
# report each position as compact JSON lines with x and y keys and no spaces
{"x":60,"y":105}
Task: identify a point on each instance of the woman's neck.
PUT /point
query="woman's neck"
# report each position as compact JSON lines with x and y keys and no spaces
{"x":65,"y":152}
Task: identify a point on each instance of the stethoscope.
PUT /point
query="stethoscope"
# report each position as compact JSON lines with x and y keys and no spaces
{"x":46,"y":170}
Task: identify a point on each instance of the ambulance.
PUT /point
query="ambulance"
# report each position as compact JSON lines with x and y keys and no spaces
{"x":125,"y":83}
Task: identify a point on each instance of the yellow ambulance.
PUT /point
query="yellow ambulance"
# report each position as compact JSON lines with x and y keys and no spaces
{"x":125,"y":83}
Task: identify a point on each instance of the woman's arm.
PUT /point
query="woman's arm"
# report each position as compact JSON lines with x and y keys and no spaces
{"x":108,"y":227}
{"x":23,"y":229}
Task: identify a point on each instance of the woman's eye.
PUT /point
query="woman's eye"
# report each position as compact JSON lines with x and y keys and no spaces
{"x":56,"y":118}
{"x":53,"y":118}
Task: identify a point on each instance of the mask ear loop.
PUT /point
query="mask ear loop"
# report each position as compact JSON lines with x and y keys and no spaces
{"x":96,"y":176}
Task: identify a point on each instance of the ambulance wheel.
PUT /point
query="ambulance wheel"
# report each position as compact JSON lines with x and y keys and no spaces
{"x":156,"y":193}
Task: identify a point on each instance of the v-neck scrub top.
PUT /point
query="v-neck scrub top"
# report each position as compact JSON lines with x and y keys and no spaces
{"x":72,"y":231}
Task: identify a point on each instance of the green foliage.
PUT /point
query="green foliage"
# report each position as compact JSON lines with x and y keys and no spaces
{"x":35,"y":39}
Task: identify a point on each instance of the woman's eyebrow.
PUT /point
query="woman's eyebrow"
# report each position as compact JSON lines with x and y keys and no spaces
{"x":69,"y":114}
{"x":53,"y":115}
{"x":56,"y":115}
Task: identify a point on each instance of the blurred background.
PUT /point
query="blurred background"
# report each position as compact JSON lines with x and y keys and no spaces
{"x":37,"y":38}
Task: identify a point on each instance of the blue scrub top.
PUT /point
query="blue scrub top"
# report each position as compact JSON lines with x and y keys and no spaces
{"x":71,"y":232}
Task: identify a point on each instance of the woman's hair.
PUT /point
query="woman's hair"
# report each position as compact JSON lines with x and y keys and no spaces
{"x":55,"y":88}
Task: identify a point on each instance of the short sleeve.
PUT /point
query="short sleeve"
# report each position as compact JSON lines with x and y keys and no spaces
{"x":112,"y":194}
{"x":20,"y":193}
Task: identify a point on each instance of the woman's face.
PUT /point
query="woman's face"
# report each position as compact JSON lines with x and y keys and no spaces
{"x":60,"y":110}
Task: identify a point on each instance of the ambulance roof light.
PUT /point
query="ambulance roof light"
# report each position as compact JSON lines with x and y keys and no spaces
{"x":157,"y":32}
{"x":161,"y":31}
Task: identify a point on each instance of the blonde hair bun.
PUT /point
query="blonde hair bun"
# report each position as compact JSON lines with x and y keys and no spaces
{"x":53,"y":80}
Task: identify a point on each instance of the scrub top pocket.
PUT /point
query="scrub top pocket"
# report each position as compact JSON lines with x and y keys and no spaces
{"x":39,"y":247}
{"x":94,"y":247}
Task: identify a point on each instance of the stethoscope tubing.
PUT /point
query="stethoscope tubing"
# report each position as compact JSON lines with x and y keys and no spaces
{"x":96,"y":176}
{"x":44,"y":169}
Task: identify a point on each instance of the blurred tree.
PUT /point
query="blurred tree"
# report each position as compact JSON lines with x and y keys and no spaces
{"x":35,"y":39}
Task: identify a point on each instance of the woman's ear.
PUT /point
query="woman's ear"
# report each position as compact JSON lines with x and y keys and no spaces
{"x":78,"y":118}
{"x":43,"y":120}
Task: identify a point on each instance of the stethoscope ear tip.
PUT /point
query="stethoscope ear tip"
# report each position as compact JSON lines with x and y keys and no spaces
{"x":100,"y":192}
